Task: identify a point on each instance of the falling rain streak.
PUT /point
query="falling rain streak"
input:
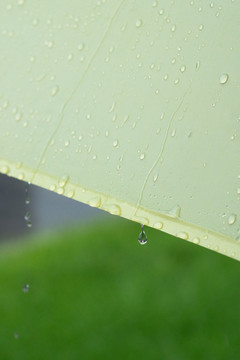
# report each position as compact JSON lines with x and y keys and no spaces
{"x":25,"y":288}
{"x":27,"y":216}
{"x":142,"y":238}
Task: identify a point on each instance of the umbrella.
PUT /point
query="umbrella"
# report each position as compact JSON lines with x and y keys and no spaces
{"x":131,"y":107}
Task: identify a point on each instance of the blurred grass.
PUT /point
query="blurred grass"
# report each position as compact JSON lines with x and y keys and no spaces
{"x":95,"y":293}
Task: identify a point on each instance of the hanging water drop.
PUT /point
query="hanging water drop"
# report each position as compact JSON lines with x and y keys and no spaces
{"x":142,"y":238}
{"x":5,"y":169}
{"x":196,"y":240}
{"x":182,"y":235}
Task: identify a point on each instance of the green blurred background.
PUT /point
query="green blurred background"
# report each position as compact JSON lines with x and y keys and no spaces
{"x":96,"y":293}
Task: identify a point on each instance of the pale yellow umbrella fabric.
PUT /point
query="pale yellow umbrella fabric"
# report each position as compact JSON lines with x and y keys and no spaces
{"x":129,"y":106}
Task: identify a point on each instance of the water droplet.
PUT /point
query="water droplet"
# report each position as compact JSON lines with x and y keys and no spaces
{"x":81,"y":46}
{"x":115,"y":143}
{"x":35,"y":22}
{"x":183,"y":235}
{"x":123,"y":27}
{"x":142,"y":238}
{"x":32,"y":59}
{"x":197,"y":65}
{"x":196,"y":240}
{"x":158,"y":225}
{"x":173,"y":28}
{"x":182,"y":68}
{"x":155,"y":177}
{"x":161,"y":11}
{"x":52,"y":187}
{"x":49,"y":44}
{"x":176,"y":81}
{"x":67,"y":142}
{"x":238,"y":190}
{"x":175,"y":211}
{"x":223,"y":78}
{"x":142,"y":156}
{"x":70,"y":193}
{"x":21,"y":2}
{"x":25,"y":288}
{"x":5,"y":104}
{"x":95,"y":202}
{"x":201,"y":27}
{"x":232,"y":218}
{"x":16,"y":335}
{"x":21,"y":176}
{"x":55,"y":90}
{"x":139,"y":23}
{"x":112,"y":107}
{"x":18,"y":116}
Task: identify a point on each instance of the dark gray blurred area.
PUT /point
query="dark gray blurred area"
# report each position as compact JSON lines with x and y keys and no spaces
{"x":47,"y":209}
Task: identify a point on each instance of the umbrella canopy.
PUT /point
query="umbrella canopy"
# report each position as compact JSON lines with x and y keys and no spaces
{"x":132,"y":107}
